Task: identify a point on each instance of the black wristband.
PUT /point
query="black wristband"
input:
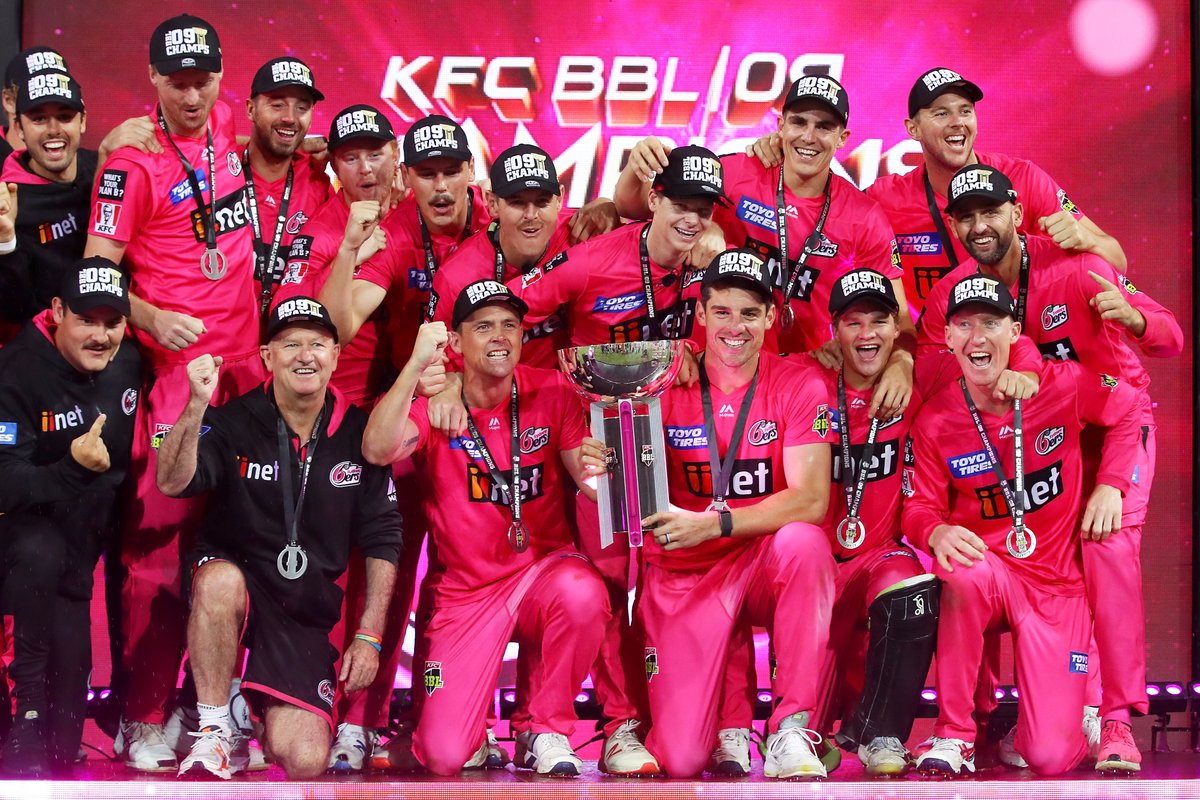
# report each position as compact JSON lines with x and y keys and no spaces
{"x":726,"y":517}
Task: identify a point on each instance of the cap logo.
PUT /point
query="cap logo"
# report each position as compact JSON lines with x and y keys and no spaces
{"x":862,"y":282}
{"x":297,"y":306}
{"x":438,"y":136}
{"x":291,"y":71}
{"x":971,"y":181}
{"x":976,"y":289}
{"x":526,"y":165}
{"x":746,"y":264}
{"x":357,"y":122}
{"x":702,"y":169}
{"x":50,"y":84}
{"x":940,"y":77}
{"x":818,"y":86}
{"x":100,"y":280}
{"x":483,"y":289}
{"x":187,"y":41}
{"x":36,"y":62}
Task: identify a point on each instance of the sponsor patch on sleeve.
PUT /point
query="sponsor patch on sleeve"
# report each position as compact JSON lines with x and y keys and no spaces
{"x":8,"y":434}
{"x":755,"y":213}
{"x":111,"y":185}
{"x":1078,"y":664}
{"x":105,"y":219}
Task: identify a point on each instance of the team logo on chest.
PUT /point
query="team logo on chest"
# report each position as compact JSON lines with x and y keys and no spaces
{"x":534,"y":439}
{"x":347,"y":473}
{"x":1048,"y":440}
{"x":295,"y":223}
{"x":1054,"y":315}
{"x":762,"y":432}
{"x":129,"y":401}
{"x":234,"y":163}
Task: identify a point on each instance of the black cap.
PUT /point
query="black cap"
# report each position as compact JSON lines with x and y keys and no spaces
{"x":980,"y":180}
{"x":981,"y":290}
{"x":744,"y":266}
{"x":435,"y":136}
{"x":32,"y":62}
{"x":95,"y":282}
{"x":49,"y":87}
{"x":280,"y":73}
{"x":935,"y":83}
{"x":521,"y":167}
{"x":185,"y":42}
{"x":298,"y":311}
{"x":482,"y":293}
{"x":862,"y":284}
{"x":824,"y":89}
{"x":692,"y":171}
{"x":359,"y":122}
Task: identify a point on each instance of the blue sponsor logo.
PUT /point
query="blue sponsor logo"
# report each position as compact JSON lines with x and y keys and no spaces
{"x":834,"y":420}
{"x":686,"y":437}
{"x":8,"y":433}
{"x":1078,"y":664}
{"x":619,"y":304}
{"x":418,"y":279}
{"x":183,"y":190}
{"x":755,"y":213}
{"x":969,"y":464}
{"x":1133,"y":480}
{"x":919,"y":244}
{"x":462,"y":442}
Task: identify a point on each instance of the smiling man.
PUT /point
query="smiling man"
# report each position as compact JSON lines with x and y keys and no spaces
{"x":68,"y":390}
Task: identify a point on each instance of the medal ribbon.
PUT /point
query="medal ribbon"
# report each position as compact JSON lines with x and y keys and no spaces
{"x":810,"y":244}
{"x":512,"y":495}
{"x":267,"y":271}
{"x":722,"y":468}
{"x":853,"y":493}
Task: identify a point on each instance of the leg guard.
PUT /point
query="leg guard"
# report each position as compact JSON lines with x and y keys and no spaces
{"x":903,"y":624}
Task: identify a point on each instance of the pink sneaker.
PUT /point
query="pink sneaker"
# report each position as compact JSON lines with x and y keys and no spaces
{"x":1118,"y":752}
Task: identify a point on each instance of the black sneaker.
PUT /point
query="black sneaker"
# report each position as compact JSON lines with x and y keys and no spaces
{"x":25,"y":754}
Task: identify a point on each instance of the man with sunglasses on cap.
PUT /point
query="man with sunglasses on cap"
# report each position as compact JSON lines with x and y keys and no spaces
{"x":996,"y":493}
{"x":501,"y":530}
{"x":180,"y":220}
{"x":68,"y":391}
{"x":1077,"y":307}
{"x":291,"y":494}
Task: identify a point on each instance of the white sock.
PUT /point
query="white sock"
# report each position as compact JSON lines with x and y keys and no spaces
{"x":214,"y":717}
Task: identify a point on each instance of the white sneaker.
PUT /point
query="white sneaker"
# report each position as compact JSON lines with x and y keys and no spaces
{"x":792,"y":751}
{"x":547,"y":754}
{"x":1091,"y":730}
{"x":948,"y":758}
{"x":350,"y":748}
{"x":884,"y":756}
{"x":624,"y":753}
{"x":177,"y":730}
{"x":217,"y":753}
{"x":732,"y":755}
{"x":256,"y":761}
{"x":490,"y":754}
{"x":1006,"y":751}
{"x":143,"y":747}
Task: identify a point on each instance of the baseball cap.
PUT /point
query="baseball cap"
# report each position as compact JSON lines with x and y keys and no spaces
{"x":935,"y":83}
{"x":32,"y":61}
{"x":692,"y":171}
{"x":279,"y":73}
{"x":482,"y":293}
{"x":981,"y":290}
{"x":862,"y":284}
{"x":298,"y":311}
{"x":823,"y":88}
{"x":185,"y":42}
{"x":95,"y":282}
{"x":359,"y":121}
{"x":980,"y":180}
{"x":523,"y":166}
{"x":435,"y":136}
{"x":742,"y":265}
{"x":49,"y":87}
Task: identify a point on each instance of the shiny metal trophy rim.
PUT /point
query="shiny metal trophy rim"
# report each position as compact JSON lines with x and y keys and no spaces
{"x":649,"y":370}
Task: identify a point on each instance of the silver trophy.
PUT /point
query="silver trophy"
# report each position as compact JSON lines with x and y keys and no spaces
{"x":622,"y":382}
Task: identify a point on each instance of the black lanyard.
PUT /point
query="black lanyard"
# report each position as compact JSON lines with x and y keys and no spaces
{"x":517,"y":536}
{"x":810,"y":244}
{"x":853,"y":493}
{"x":939,"y":222}
{"x":1022,"y":280}
{"x":293,"y":561}
{"x":1013,"y":495}
{"x":431,"y":265}
{"x":654,"y":331}
{"x":722,"y":468}
{"x":207,"y":210}
{"x":494,"y":238}
{"x":266,"y":271}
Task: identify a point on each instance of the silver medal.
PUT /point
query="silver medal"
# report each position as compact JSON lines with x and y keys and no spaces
{"x":518,"y":537}
{"x":1021,"y":542}
{"x":212,"y":264}
{"x":786,"y":315}
{"x":851,"y":533}
{"x":292,"y":562}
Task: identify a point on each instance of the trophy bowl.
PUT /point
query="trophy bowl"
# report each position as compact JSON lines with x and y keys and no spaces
{"x":603,"y":372}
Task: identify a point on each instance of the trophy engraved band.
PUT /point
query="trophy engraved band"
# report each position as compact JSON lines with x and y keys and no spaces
{"x":622,"y":382}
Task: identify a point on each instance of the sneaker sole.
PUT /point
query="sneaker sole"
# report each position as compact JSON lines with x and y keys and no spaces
{"x":1117,"y":766}
{"x":936,"y":768}
{"x":888,"y":771}
{"x":564,"y":769}
{"x":159,"y":768}
{"x":199,"y":772}
{"x":649,"y":768}
{"x":727,"y":769}
{"x":798,"y":776}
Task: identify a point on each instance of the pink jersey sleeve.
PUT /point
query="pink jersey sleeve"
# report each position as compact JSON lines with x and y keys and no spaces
{"x":574,"y":426}
{"x":418,"y":414}
{"x":880,"y":251}
{"x":928,"y":505}
{"x":1163,"y":338}
{"x":1042,"y":196}
{"x":560,"y":280}
{"x":1111,"y":403}
{"x":121,"y":198}
{"x":808,"y":416}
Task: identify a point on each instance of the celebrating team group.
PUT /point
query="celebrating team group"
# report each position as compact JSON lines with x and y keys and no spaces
{"x":256,"y":391}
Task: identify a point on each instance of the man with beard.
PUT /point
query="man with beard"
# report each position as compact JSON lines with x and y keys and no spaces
{"x":18,"y":71}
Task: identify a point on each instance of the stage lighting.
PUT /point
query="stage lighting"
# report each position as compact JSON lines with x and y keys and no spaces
{"x":929,"y":694}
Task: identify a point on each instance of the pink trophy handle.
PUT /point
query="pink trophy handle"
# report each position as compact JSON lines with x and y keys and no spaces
{"x":633,"y":500}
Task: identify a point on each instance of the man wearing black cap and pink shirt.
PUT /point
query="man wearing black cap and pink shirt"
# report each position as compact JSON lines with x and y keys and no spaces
{"x":266,"y":564}
{"x":68,"y":391}
{"x":179,"y":220}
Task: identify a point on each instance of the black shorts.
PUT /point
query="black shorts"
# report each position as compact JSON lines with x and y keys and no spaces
{"x":288,"y":661}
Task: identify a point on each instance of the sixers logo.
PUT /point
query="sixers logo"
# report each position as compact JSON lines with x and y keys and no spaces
{"x":129,"y":401}
{"x":295,"y":223}
{"x":1049,"y":440}
{"x":325,"y":692}
{"x":763,"y":432}
{"x":1054,"y":315}
{"x":534,"y":439}
{"x":347,"y":473}
{"x":234,"y":163}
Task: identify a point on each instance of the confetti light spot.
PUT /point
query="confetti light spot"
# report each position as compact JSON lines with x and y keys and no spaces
{"x":1113,"y":37}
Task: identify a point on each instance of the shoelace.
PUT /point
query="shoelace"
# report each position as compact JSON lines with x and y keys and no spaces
{"x":886,"y":743}
{"x":149,"y":731}
{"x":734,"y":737}
{"x":779,"y":743}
